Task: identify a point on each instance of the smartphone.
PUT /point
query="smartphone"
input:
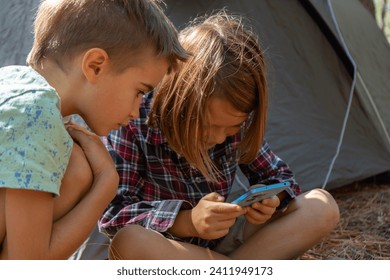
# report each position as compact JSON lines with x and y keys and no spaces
{"x":259,"y":192}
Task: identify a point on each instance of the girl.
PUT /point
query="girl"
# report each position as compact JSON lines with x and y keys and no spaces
{"x":177,"y":170}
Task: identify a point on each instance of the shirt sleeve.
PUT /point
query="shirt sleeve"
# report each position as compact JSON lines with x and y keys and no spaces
{"x":268,"y":168}
{"x":35,"y":146}
{"x":137,"y":201}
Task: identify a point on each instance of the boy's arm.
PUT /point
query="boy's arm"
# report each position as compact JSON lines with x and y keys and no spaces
{"x":28,"y":216}
{"x":76,"y":182}
{"x":31,"y":233}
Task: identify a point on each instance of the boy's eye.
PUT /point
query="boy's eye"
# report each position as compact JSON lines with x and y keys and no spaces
{"x":140,"y":93}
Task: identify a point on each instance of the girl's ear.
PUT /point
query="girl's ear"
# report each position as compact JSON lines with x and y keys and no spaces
{"x":94,"y":63}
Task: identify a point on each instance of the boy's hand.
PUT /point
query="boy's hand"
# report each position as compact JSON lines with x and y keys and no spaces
{"x":94,"y":149}
{"x":260,"y":212}
{"x":99,"y":159}
{"x":211,"y":217}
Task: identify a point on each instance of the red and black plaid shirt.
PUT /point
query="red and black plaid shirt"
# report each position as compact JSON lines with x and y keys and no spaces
{"x":156,"y":183}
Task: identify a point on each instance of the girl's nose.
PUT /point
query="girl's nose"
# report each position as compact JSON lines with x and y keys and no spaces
{"x":219,"y":136}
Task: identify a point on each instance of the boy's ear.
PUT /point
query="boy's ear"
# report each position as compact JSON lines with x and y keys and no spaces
{"x":95,"y":62}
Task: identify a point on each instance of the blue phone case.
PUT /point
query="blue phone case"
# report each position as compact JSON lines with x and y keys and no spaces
{"x":260,"y":192}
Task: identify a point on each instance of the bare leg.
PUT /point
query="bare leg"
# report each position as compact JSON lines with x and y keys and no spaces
{"x":134,"y":242}
{"x":75,"y":184}
{"x":309,"y":218}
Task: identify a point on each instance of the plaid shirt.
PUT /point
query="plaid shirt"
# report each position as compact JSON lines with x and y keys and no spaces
{"x":156,"y":183}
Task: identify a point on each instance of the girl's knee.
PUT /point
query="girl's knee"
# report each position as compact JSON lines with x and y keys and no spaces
{"x":321,"y":203}
{"x":128,"y":240}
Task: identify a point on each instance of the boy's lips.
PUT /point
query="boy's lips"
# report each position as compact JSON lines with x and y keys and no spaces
{"x":125,"y":123}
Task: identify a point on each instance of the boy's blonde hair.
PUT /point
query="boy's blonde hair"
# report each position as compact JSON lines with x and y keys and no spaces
{"x":64,"y":28}
{"x":227,"y":62}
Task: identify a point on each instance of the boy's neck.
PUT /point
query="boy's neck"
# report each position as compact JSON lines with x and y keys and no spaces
{"x":59,"y":80}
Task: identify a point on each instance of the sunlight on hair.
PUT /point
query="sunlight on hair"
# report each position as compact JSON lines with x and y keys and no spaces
{"x":52,"y":2}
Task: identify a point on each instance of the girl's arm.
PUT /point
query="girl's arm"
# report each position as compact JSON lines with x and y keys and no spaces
{"x":210,"y":219}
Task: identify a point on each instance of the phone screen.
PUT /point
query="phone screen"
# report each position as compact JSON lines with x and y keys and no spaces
{"x":260,"y":192}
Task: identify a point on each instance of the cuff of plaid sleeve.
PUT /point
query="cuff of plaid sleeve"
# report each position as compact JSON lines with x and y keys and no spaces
{"x":165,"y":215}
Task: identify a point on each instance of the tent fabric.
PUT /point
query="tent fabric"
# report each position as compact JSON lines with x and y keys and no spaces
{"x":373,"y":67}
{"x":310,"y":85}
{"x":16,"y":36}
{"x":310,"y":79}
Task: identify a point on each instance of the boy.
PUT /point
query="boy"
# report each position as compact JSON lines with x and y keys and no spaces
{"x":95,"y":58}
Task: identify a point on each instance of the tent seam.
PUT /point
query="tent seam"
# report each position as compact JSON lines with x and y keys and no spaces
{"x":381,"y":122}
{"x":341,"y":138}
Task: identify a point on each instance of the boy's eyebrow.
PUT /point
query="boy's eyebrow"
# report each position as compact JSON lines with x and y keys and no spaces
{"x":149,"y":87}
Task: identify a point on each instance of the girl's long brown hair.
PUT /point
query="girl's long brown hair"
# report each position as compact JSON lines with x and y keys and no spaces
{"x":227,"y":62}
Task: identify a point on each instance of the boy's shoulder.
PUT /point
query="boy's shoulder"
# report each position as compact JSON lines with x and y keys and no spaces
{"x":13,"y":71}
{"x":17,"y":75}
{"x":30,"y":112}
{"x":27,"y":100}
{"x":19,"y":82}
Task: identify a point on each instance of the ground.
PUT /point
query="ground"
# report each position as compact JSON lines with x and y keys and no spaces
{"x":363,"y":232}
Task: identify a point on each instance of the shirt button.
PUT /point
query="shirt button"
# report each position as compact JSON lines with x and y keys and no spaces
{"x":198,"y":179}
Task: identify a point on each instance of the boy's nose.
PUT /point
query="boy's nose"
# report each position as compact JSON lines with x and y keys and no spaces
{"x":135,"y":111}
